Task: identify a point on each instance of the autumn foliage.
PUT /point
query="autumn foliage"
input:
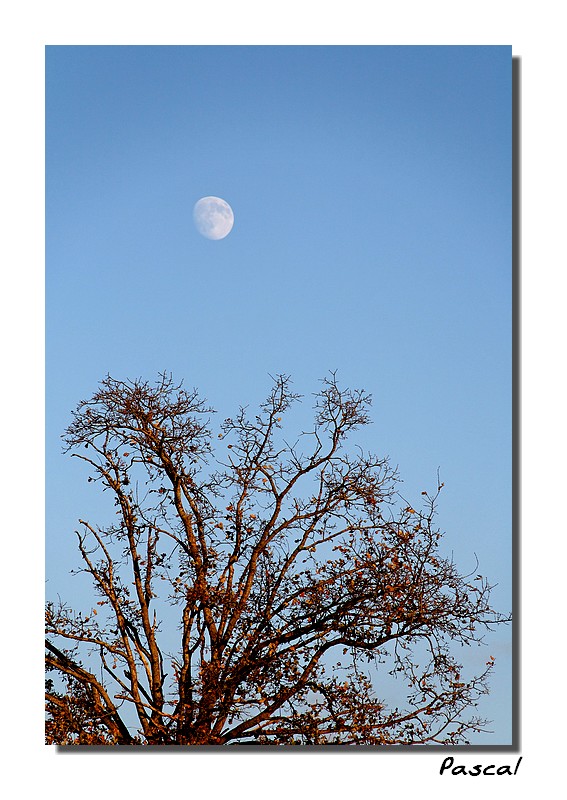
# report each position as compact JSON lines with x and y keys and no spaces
{"x":252,"y":589}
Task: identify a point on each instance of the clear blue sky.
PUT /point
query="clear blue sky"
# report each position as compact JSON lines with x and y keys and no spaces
{"x":371,"y":188}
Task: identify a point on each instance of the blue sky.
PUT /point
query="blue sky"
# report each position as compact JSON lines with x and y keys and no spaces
{"x":371,"y":188}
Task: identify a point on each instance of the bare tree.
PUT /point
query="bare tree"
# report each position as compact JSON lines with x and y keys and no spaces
{"x":289,"y":573}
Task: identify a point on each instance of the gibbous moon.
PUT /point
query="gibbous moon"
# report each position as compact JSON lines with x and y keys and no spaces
{"x":213,"y":217}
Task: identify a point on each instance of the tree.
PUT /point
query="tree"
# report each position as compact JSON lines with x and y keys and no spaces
{"x":290,"y":573}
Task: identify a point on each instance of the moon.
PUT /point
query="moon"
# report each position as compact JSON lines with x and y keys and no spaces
{"x":213,"y":217}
